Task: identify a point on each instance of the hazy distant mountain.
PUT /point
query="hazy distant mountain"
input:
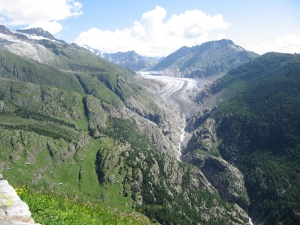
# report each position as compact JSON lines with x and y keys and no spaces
{"x":129,"y":59}
{"x":207,"y":59}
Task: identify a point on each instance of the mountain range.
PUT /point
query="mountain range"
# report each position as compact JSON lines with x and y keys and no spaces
{"x":75,"y":124}
{"x":129,"y":59}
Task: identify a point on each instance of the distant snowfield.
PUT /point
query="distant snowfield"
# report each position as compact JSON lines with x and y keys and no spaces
{"x":26,"y":48}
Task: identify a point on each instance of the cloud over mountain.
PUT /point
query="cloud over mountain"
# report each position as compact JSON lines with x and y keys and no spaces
{"x":34,"y":13}
{"x":153,"y":36}
{"x":289,"y":41}
{"x":287,"y":44}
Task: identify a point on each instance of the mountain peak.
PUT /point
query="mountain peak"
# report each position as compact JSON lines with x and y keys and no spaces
{"x":4,"y":30}
{"x":37,"y":32}
{"x":216,"y":44}
{"x":207,"y":59}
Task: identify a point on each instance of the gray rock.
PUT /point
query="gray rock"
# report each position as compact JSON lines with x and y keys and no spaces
{"x":223,"y":176}
{"x":226,"y":178}
{"x":1,"y":105}
{"x":12,"y":209}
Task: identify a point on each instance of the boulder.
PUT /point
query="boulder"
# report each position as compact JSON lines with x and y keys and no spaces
{"x":13,"y":211}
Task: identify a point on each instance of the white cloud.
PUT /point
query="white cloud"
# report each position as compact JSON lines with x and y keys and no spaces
{"x":288,"y":41}
{"x":152,"y":36}
{"x":287,"y":44}
{"x":221,"y":36}
{"x":45,"y":13}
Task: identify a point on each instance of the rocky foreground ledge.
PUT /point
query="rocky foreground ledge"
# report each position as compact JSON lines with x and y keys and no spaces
{"x":13,"y":211}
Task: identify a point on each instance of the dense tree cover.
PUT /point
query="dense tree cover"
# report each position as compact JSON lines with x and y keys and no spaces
{"x":259,"y":125}
{"x":26,"y":120}
{"x":29,"y":114}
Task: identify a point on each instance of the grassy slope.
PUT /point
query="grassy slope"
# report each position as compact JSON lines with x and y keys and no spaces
{"x":47,"y":128}
{"x":16,"y":67}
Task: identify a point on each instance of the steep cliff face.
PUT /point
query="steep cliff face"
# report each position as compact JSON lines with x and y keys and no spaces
{"x":202,"y":151}
{"x":227,"y":179}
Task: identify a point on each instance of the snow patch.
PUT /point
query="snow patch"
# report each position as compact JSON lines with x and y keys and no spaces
{"x":20,"y":47}
{"x":237,"y":47}
{"x":35,"y":37}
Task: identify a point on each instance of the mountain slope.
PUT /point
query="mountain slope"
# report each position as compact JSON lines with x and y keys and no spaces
{"x":256,"y":124}
{"x":208,"y":59}
{"x":17,"y":68}
{"x":46,"y":143}
{"x":77,"y":125}
{"x":57,"y":54}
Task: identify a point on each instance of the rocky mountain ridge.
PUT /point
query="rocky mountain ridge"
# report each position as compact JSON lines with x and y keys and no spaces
{"x":37,"y":32}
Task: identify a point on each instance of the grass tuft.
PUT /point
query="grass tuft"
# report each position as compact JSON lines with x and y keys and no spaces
{"x":48,"y":208}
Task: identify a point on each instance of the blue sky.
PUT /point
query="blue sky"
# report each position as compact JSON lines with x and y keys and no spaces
{"x":158,"y":28}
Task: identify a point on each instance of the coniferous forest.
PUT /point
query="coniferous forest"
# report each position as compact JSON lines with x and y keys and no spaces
{"x":259,"y":125}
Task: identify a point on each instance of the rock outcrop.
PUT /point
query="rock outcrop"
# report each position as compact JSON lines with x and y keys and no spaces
{"x":13,"y":211}
{"x":202,"y":152}
{"x":1,"y":105}
{"x":226,"y":178}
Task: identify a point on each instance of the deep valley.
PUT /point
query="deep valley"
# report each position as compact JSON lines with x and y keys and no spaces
{"x":210,"y":137}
